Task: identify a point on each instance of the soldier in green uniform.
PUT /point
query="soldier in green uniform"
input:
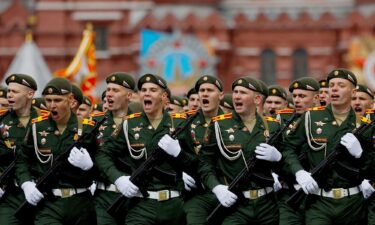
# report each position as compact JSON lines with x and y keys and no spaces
{"x":133,"y":142}
{"x":39,"y":103}
{"x":233,"y":139}
{"x":14,"y":123}
{"x":198,"y":203}
{"x":336,"y":197}
{"x":276,"y":100}
{"x":264,"y":94}
{"x":226,"y":103}
{"x":193,"y":99}
{"x":323,"y":93}
{"x":120,"y":87}
{"x":3,"y":98}
{"x":68,"y":201}
{"x":175,"y":104}
{"x":84,"y":109}
{"x":303,"y":90}
{"x":77,"y":98}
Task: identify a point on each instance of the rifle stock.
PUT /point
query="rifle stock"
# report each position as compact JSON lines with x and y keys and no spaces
{"x":139,"y":176}
{"x":246,"y":171}
{"x":25,"y":210}
{"x":296,"y":199}
{"x":7,"y":172}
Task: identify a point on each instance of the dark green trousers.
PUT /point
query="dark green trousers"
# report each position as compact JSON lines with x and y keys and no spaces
{"x":75,"y":210}
{"x":262,"y":211}
{"x":328,"y":211}
{"x":103,"y":199}
{"x":153,"y":212}
{"x":199,"y":207}
{"x":288,"y":215}
{"x":9,"y":203}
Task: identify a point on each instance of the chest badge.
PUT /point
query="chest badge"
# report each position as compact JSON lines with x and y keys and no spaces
{"x":43,"y":133}
{"x":230,"y":131}
{"x":137,"y":129}
{"x":231,"y":137}
{"x":102,"y":127}
{"x":320,"y":123}
{"x":136,"y":136}
{"x":193,"y":126}
{"x":319,"y":131}
{"x":43,"y":141}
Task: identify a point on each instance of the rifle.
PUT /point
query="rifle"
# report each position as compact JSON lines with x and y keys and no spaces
{"x":248,"y":170}
{"x":25,"y":210}
{"x":297,"y":198}
{"x":139,"y":176}
{"x":8,"y":172}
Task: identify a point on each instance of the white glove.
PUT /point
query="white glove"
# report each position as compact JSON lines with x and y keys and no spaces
{"x":367,"y":189}
{"x":80,"y":158}
{"x":276,"y":184}
{"x":307,"y":182}
{"x":267,"y":152}
{"x":1,"y":192}
{"x":189,"y":182}
{"x":352,"y":144}
{"x":126,"y":187}
{"x":225,"y":197}
{"x":32,"y":194}
{"x":170,"y":145}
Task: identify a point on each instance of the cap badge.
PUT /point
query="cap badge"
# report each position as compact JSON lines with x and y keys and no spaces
{"x":205,"y":78}
{"x":336,"y":73}
{"x":274,"y":91}
{"x":50,"y":90}
{"x":148,"y":78}
{"x":113,"y":78}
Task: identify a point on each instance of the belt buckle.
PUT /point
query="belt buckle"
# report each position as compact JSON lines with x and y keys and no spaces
{"x":253,"y":194}
{"x":163,"y":195}
{"x":65,"y":192}
{"x":337,"y":193}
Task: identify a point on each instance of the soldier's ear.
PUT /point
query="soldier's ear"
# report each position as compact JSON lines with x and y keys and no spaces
{"x":221,"y":95}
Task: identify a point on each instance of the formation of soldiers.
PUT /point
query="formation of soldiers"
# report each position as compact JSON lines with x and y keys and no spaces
{"x":246,"y":153}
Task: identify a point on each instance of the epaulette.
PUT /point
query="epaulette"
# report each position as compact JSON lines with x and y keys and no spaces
{"x":271,"y":119}
{"x":39,"y":118}
{"x":44,"y":112}
{"x":285,"y":111}
{"x":3,"y":111}
{"x":178,"y":115}
{"x":222,"y":117}
{"x":97,"y":114}
{"x":88,"y":122}
{"x":317,"y":108}
{"x":191,"y":112}
{"x":365,"y":120}
{"x":370,"y":111}
{"x":134,"y":115}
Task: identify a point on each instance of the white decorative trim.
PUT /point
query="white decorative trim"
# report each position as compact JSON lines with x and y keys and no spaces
{"x":97,"y":15}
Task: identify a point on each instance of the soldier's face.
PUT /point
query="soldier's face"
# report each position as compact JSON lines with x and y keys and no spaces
{"x":341,"y":92}
{"x":209,"y":97}
{"x":361,"y":101}
{"x":272,"y":104}
{"x":153,"y":97}
{"x":323,"y":96}
{"x":303,"y":99}
{"x":59,"y":106}
{"x":117,"y":97}
{"x":244,"y":100}
{"x":18,"y":96}
{"x":84,"y":110}
{"x":193,"y":102}
{"x":4,"y":104}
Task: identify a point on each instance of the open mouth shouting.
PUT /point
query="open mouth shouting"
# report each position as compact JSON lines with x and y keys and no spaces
{"x":335,"y":97}
{"x":205,"y":102}
{"x":147,"y":104}
{"x":54,"y":114}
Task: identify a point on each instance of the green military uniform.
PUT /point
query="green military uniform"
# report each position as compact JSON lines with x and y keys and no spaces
{"x":106,"y":192}
{"x":228,"y":145}
{"x":339,"y":200}
{"x":77,"y":93}
{"x":40,"y":103}
{"x":370,"y":115}
{"x":134,"y":142}
{"x":68,"y":201}
{"x":12,"y":134}
{"x":227,"y":102}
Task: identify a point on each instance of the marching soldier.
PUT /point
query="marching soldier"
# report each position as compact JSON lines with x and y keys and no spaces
{"x":323,"y":93}
{"x":133,"y":142}
{"x":264,"y":95}
{"x":77,"y":98}
{"x":227,"y":103}
{"x":362,"y":100}
{"x":120,"y":87}
{"x":68,"y":201}
{"x":14,"y":124}
{"x":234,"y":138}
{"x":84,"y":109}
{"x":335,"y":198}
{"x":175,"y":104}
{"x":40,"y":103}
{"x":193,"y":99}
{"x":276,"y":100}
